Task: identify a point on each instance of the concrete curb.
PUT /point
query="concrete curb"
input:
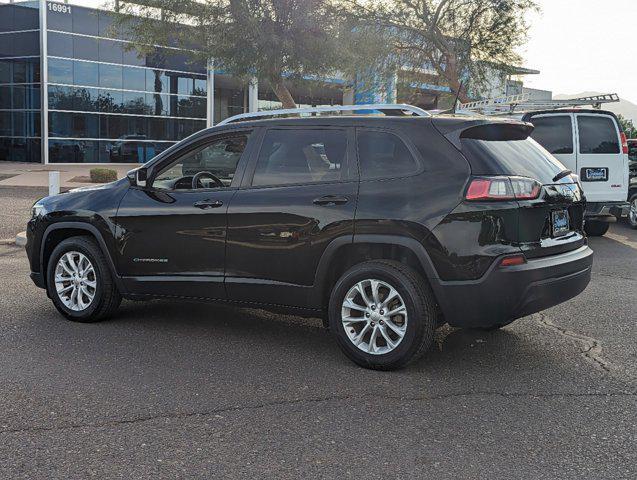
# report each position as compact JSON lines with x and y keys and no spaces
{"x":21,"y":239}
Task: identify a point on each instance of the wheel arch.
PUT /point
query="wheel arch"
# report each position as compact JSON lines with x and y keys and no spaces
{"x":345,"y":252}
{"x":58,"y":232}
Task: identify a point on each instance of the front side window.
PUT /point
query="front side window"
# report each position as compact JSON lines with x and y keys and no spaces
{"x":290,"y":157}
{"x":211,"y":166}
{"x":597,"y":134}
{"x":554,"y":133}
{"x":384,"y":155}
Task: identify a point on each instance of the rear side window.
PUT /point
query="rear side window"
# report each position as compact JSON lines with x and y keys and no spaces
{"x":525,"y":158}
{"x":384,"y":155}
{"x":597,"y":134}
{"x":554,"y":133}
{"x":301,"y":156}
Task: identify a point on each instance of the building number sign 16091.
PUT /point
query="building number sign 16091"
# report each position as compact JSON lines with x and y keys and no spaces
{"x":59,"y":7}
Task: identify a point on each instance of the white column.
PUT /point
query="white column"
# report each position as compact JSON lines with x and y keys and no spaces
{"x":210,"y":96}
{"x":44,"y":82}
{"x":253,"y":95}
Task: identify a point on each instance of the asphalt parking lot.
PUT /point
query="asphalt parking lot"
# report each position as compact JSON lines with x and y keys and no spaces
{"x":174,"y":390}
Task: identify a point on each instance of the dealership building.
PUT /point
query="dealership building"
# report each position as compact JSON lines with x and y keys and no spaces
{"x":72,"y":90}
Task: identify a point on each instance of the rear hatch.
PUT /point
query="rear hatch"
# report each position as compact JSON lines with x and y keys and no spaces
{"x":551,"y":203}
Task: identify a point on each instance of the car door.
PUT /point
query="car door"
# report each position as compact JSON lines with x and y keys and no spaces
{"x":172,"y":233}
{"x":600,"y":162}
{"x":299,"y":195}
{"x":555,"y":132}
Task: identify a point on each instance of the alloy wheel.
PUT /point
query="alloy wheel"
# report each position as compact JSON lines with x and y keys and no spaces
{"x":374,"y":316}
{"x":75,"y":281}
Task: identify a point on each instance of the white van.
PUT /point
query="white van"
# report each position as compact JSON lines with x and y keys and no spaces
{"x":591,"y":144}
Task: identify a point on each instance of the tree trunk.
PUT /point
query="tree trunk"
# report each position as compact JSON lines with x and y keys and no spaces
{"x":282,"y":93}
{"x":452,"y":77}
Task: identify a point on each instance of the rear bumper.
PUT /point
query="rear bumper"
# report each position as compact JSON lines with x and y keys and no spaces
{"x":606,"y":210}
{"x":504,"y":294}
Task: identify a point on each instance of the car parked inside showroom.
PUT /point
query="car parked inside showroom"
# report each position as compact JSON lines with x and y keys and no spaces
{"x":386,"y":225}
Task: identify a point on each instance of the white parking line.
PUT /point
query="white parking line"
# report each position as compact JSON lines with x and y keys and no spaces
{"x":622,"y":239}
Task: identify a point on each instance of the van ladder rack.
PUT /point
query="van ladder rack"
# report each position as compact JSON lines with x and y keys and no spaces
{"x":382,"y":107}
{"x":522,"y":104}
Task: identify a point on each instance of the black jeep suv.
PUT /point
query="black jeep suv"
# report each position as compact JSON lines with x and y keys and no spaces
{"x":386,"y":226}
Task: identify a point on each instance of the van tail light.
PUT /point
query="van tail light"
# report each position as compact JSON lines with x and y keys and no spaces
{"x":624,"y":143}
{"x":513,"y":260}
{"x":503,"y":188}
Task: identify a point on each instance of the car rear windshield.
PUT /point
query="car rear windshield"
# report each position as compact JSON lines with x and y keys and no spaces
{"x":525,"y":158}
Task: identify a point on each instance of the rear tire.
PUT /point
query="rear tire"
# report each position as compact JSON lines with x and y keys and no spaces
{"x":376,"y":338}
{"x":79,"y":281}
{"x":595,"y":228}
{"x":632,"y":213}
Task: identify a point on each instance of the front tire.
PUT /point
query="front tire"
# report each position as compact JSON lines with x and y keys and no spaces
{"x":79,"y":281}
{"x":595,"y":228}
{"x":383,"y":314}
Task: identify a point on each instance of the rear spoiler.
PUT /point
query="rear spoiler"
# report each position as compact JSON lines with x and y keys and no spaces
{"x":488,"y":130}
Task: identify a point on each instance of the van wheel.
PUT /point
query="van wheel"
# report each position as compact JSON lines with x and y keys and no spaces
{"x":79,"y":281}
{"x":383,"y":314}
{"x":595,"y":228}
{"x":632,"y":213}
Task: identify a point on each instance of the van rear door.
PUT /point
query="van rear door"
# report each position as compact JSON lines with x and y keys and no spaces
{"x":555,"y":132}
{"x":600,"y":162}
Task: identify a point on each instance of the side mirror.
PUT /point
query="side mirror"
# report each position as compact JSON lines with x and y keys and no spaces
{"x":138,"y":177}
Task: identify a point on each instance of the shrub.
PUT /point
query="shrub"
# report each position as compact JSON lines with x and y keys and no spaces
{"x":103,"y":175}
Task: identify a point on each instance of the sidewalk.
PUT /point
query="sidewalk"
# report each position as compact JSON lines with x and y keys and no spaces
{"x":13,"y":174}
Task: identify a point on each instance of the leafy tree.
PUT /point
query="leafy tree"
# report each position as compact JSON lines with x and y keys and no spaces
{"x":628,"y":126}
{"x":456,"y":38}
{"x":278,"y":41}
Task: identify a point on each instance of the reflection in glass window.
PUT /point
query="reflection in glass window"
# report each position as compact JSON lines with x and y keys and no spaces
{"x":86,"y":74}
{"x":60,"y":71}
{"x":85,"y":21}
{"x":302,"y":156}
{"x":384,"y":155}
{"x":597,"y":134}
{"x":158,"y":103}
{"x":134,"y":78}
{"x":26,"y":44}
{"x":135,"y":103}
{"x":157,"y":81}
{"x":6,"y":69}
{"x":218,"y":160}
{"x":60,"y":45}
{"x":110,"y":76}
{"x":85,"y":48}
{"x":110,"y":101}
{"x":554,"y":133}
{"x":110,"y":51}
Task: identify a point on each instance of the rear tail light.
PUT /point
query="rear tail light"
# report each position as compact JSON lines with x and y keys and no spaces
{"x":624,"y":143}
{"x":513,"y":260}
{"x":503,"y":188}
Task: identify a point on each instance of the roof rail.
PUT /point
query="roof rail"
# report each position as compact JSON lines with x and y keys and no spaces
{"x":382,"y":107}
{"x":522,"y":104}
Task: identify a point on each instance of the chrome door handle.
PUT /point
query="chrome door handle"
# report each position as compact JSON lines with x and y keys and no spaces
{"x":204,"y":204}
{"x":331,"y":200}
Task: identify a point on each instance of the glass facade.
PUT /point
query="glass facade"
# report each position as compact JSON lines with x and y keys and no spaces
{"x":106,"y":102}
{"x":20,"y":104}
{"x":92,"y":98}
